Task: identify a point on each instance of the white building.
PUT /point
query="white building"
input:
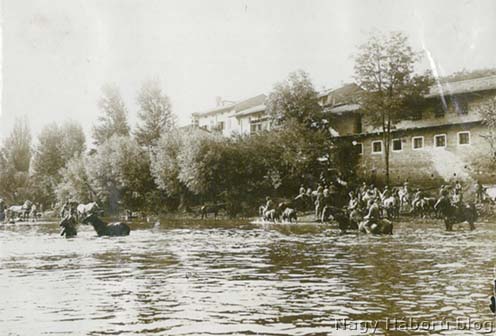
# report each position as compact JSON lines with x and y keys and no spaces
{"x":231,"y":118}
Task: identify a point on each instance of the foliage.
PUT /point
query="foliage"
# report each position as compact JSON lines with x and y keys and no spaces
{"x":384,"y":70}
{"x":113,"y":120}
{"x":294,"y":99}
{"x":56,"y":146}
{"x":15,"y":157}
{"x":119,"y":173}
{"x":74,"y":182}
{"x":487,"y":110}
{"x":155,"y":114}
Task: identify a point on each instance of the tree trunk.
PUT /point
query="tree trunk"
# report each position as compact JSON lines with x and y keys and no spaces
{"x":387,"y":141}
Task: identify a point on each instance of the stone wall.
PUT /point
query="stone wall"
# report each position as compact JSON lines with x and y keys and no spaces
{"x":431,"y":165}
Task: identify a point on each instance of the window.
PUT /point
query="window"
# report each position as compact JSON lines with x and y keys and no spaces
{"x":418,"y":142}
{"x":359,"y":148}
{"x":397,"y":145}
{"x":460,"y":105}
{"x":440,"y":140}
{"x":464,"y":138}
{"x":377,"y":147}
{"x":255,"y":127}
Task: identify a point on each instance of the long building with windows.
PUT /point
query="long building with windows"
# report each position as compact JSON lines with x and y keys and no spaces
{"x":443,"y":142}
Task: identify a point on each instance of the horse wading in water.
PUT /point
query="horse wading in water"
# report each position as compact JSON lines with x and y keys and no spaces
{"x":104,"y":229}
{"x":83,"y":210}
{"x":454,"y":215}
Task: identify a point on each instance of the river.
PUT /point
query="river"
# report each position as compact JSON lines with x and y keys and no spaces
{"x":235,"y":278}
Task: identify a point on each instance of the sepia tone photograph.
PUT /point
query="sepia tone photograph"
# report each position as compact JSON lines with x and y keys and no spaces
{"x":247,"y":167}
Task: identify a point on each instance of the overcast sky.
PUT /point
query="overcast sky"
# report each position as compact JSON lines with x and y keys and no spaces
{"x":57,"y":54}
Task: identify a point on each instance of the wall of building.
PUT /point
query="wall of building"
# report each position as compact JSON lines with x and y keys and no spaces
{"x":431,"y":166}
{"x":346,"y":123}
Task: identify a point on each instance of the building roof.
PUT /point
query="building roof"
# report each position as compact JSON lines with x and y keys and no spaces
{"x":251,"y":110}
{"x":342,"y":108}
{"x":235,"y":107}
{"x":215,"y":110}
{"x":463,"y":86}
{"x":446,"y":120}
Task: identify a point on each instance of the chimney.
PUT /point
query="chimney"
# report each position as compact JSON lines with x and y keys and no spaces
{"x":218,"y":101}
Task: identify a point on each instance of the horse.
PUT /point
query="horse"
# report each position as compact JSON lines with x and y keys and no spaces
{"x":424,"y":207}
{"x":383,"y":226}
{"x":68,"y":225}
{"x":83,"y":210}
{"x":392,"y":207}
{"x":454,"y":215}
{"x":211,"y":209}
{"x":104,"y":229}
{"x":21,"y":211}
{"x":340,"y":216}
{"x":289,"y":215}
{"x":272,"y":215}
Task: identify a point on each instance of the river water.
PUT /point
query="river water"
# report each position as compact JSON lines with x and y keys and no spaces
{"x":235,"y":278}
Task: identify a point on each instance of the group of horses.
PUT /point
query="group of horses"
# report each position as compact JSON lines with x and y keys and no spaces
{"x":399,"y":201}
{"x":25,"y":212}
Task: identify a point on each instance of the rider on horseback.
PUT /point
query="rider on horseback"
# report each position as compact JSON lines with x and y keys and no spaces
{"x":372,"y":218}
{"x":457,"y":200}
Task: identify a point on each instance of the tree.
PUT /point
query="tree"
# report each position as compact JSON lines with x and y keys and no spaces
{"x":15,"y":157}
{"x":155,"y":114}
{"x":294,"y":99}
{"x":47,"y":161}
{"x":384,"y":70}
{"x":119,"y":174}
{"x":487,"y":111}
{"x":165,"y":166}
{"x":56,"y":146}
{"x":73,"y":140}
{"x":114,"y":118}
{"x":74,"y":182}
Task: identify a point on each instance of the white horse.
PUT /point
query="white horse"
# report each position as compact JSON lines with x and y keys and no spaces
{"x":84,"y":210}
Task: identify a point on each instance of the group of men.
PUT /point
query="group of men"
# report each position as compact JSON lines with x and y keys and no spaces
{"x":370,"y":201}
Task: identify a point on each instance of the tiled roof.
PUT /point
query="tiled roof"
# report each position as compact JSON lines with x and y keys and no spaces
{"x":463,"y":86}
{"x":446,"y":120}
{"x":343,"y":108}
{"x":251,"y":110}
{"x":237,"y":106}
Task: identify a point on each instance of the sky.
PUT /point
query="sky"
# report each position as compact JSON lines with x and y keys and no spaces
{"x":57,"y":54}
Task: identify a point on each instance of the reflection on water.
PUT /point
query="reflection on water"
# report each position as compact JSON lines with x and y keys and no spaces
{"x":234,"y":278}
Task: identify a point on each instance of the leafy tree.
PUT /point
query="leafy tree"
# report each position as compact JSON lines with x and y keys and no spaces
{"x":294,"y":99}
{"x":113,"y":120}
{"x":74,"y":182}
{"x":190,"y":161}
{"x":15,"y":157}
{"x":487,"y":110}
{"x":47,"y":162}
{"x":56,"y":146}
{"x":73,"y":140}
{"x":165,"y":166}
{"x":384,"y":70}
{"x":155,"y":114}
{"x":119,"y":173}
{"x":17,"y":146}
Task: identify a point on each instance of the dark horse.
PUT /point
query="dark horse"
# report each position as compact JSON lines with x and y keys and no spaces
{"x":453,"y":215}
{"x":211,"y":209}
{"x":340,"y":216}
{"x":104,"y":229}
{"x":68,"y":225}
